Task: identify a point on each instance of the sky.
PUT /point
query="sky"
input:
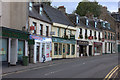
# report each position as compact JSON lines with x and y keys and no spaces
{"x":71,"y":6}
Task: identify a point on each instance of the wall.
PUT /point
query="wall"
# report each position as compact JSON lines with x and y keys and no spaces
{"x":31,"y":20}
{"x":14,"y":14}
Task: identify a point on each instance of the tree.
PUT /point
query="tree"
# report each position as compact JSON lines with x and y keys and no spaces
{"x":85,"y":7}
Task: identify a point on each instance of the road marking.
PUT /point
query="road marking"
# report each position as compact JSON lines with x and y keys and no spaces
{"x":110,"y":72}
{"x":109,"y":75}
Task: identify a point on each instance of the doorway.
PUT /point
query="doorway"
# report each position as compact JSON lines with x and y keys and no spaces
{"x":111,"y":48}
{"x":64,"y":51}
{"x":38,"y":51}
{"x":90,"y":50}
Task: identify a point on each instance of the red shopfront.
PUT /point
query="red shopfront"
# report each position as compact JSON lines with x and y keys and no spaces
{"x":97,"y":48}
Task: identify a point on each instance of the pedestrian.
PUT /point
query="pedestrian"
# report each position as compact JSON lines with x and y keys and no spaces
{"x":43,"y":58}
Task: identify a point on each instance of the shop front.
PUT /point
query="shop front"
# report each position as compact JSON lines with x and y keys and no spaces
{"x":82,"y":48}
{"x":97,"y":48}
{"x":14,"y":45}
{"x":63,"y":48}
{"x":39,"y":46}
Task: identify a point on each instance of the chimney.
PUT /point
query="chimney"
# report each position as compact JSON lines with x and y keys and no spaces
{"x":62,"y":8}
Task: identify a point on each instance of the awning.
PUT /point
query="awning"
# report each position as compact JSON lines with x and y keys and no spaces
{"x":13,"y":33}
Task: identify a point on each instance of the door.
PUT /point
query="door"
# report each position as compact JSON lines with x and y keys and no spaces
{"x":38,"y":51}
{"x":90,"y":50}
{"x":111,"y":48}
{"x":64,"y":50}
{"x":118,"y":48}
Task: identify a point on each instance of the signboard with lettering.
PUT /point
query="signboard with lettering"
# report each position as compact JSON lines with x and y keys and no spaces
{"x":79,"y":42}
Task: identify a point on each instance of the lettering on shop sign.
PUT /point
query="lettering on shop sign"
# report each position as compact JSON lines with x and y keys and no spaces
{"x":97,"y":43}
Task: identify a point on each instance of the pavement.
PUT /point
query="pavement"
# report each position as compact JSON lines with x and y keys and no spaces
{"x":85,"y":67}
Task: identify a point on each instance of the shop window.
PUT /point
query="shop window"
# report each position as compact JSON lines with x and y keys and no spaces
{"x":56,"y":49}
{"x":97,"y":49}
{"x":63,"y":48}
{"x":47,"y":31}
{"x":43,"y":49}
{"x":95,"y":24}
{"x":68,"y":49}
{"x":3,"y":49}
{"x":34,"y":24}
{"x":73,"y":49}
{"x":60,"y":49}
{"x":41,"y":29}
{"x":20,"y":49}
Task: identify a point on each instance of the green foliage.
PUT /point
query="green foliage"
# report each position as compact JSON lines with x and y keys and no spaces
{"x":87,"y":7}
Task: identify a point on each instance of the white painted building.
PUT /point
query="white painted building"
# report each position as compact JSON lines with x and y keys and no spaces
{"x":40,"y":28}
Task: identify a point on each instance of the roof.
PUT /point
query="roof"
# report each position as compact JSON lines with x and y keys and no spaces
{"x":116,"y":16}
{"x":35,"y":14}
{"x":56,"y":16}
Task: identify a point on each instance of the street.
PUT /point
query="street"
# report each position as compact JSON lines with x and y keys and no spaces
{"x":85,"y":67}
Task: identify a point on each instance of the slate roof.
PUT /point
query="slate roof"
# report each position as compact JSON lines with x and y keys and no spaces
{"x":56,"y":16}
{"x":34,"y":14}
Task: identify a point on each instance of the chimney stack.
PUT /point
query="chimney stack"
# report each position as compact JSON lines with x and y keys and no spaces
{"x":62,"y":8}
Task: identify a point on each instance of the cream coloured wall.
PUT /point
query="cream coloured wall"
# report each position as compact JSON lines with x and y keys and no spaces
{"x":31,"y":20}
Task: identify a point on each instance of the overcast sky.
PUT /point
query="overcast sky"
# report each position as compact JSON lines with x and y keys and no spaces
{"x":71,"y":6}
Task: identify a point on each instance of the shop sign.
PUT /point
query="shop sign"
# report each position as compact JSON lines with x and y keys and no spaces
{"x":61,"y":40}
{"x":32,"y":27}
{"x":40,"y":38}
{"x":97,"y":43}
{"x":82,"y":42}
{"x":47,"y":55}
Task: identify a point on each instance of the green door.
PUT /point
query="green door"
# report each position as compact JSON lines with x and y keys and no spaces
{"x":118,"y":48}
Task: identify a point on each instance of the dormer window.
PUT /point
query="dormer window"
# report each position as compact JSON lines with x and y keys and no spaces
{"x":87,"y":22}
{"x":95,"y":24}
{"x":77,"y":19}
{"x":30,"y":6}
{"x":103,"y":24}
{"x":41,"y":9}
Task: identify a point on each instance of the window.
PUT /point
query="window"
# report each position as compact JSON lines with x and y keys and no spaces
{"x":41,"y":10}
{"x":70,"y":32}
{"x":99,"y":35}
{"x":103,"y":24}
{"x":87,"y":22}
{"x":85,"y":31}
{"x":47,"y":31}
{"x":64,"y":32}
{"x":56,"y":49}
{"x":80,"y":31}
{"x":108,"y":35}
{"x":90,"y":33}
{"x":111,"y":36}
{"x":73,"y":49}
{"x":68,"y":49}
{"x":95,"y":33}
{"x":118,"y":36}
{"x":95,"y":24}
{"x":63,"y":48}
{"x":34,"y":24}
{"x":30,"y":6}
{"x":41,"y":29}
{"x":109,"y":47}
{"x":105,"y":35}
{"x":58,"y":32}
{"x":60,"y":49}
{"x":77,"y":19}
